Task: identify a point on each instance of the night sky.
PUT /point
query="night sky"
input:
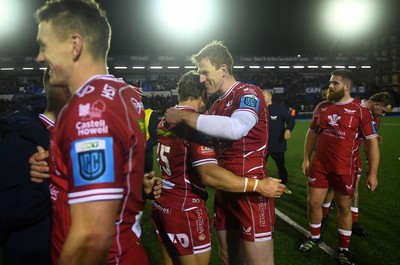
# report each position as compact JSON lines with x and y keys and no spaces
{"x":248,"y":27}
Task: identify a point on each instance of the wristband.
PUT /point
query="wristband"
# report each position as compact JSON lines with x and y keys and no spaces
{"x":246,"y":180}
{"x":255,"y":185}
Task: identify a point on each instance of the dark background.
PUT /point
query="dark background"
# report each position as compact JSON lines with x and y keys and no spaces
{"x":248,"y":27}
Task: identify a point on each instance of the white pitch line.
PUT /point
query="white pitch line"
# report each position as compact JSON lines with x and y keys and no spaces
{"x":304,"y":231}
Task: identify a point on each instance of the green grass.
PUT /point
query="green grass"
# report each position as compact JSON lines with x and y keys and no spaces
{"x":379,"y":211}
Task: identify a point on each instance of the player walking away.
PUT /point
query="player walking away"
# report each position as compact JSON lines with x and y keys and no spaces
{"x":281,"y":124}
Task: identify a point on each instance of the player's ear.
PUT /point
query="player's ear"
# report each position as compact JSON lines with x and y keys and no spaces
{"x":77,"y":45}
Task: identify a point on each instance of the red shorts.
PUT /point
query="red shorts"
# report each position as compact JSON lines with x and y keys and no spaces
{"x":319,"y":178}
{"x":252,"y":214}
{"x":187,"y":231}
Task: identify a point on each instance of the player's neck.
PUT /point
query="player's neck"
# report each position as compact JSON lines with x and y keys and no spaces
{"x":227,"y":84}
{"x":83,"y":72}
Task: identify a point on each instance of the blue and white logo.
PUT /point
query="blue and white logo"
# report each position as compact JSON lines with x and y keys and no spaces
{"x":92,"y":161}
{"x":250,"y":101}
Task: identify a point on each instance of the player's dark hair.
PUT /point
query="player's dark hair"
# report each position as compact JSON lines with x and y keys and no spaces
{"x":344,"y":74}
{"x":384,"y":98}
{"x":189,"y":86}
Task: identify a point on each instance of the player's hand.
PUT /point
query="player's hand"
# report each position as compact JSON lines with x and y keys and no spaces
{"x":270,"y":187}
{"x":39,"y":166}
{"x":371,"y":182}
{"x":287,"y":134}
{"x":305,"y":167}
{"x":173,"y":116}
{"x":151,"y":186}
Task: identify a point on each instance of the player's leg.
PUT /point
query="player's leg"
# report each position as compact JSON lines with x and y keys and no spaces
{"x":282,"y":172}
{"x":196,"y":259}
{"x":165,"y":255}
{"x":258,"y":253}
{"x":315,"y":197}
{"x":230,"y":249}
{"x":326,"y":207}
{"x":356,"y":227}
{"x":343,"y":203}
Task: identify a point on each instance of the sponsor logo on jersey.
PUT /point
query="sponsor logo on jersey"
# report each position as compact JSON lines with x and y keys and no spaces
{"x":349,"y":111}
{"x":108,"y":92}
{"x":202,"y":237}
{"x":311,"y":180}
{"x":89,"y":111}
{"x":274,"y":117}
{"x":181,"y":238}
{"x":373,"y":125}
{"x":323,"y":109}
{"x":250,"y":101}
{"x":205,"y":150}
{"x":333,"y":119}
{"x":262,"y":208}
{"x":137,"y":105}
{"x":53,"y":192}
{"x":199,"y":221}
{"x":349,"y":187}
{"x":246,"y":230}
{"x":85,"y":91}
{"x":166,"y":184}
{"x":92,"y":161}
{"x":229,"y":104}
{"x":91,"y":127}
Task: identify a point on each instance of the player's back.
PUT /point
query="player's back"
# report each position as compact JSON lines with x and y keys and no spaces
{"x":179,"y":150}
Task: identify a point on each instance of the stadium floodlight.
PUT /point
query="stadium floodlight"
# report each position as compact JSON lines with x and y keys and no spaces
{"x":120,"y":67}
{"x":45,"y":68}
{"x":10,"y":18}
{"x":269,"y":67}
{"x":27,"y":68}
{"x":156,"y":67}
{"x":298,"y":66}
{"x":183,"y":21}
{"x":326,"y":66}
{"x":138,"y":67}
{"x":190,"y":67}
{"x":254,"y":67}
{"x":284,"y":67}
{"x":349,"y":19}
{"x":313,"y":66}
{"x":352,"y":67}
{"x":7,"y":69}
{"x":366,"y":67}
{"x":340,"y":66}
{"x":238,"y":66}
{"x":173,"y":67}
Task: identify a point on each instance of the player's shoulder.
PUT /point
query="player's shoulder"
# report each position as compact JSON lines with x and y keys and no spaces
{"x":245,"y":88}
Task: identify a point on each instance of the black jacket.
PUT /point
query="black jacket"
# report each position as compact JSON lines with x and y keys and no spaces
{"x":279,"y":121}
{"x":25,"y":207}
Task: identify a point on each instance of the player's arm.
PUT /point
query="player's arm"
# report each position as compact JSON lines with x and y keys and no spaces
{"x":90,"y":235}
{"x":373,"y":156}
{"x":309,"y":147}
{"x":230,"y":128}
{"x":290,"y":122}
{"x":222,"y":179}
